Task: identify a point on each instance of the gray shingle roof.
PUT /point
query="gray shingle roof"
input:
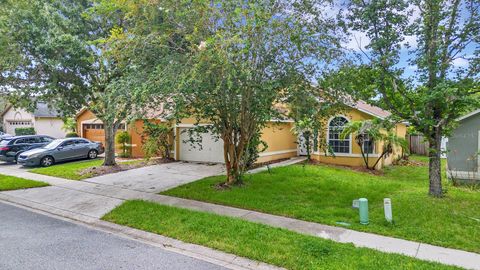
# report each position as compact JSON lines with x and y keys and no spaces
{"x":43,"y":110}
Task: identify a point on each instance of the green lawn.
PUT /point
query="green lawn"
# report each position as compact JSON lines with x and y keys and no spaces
{"x":324,"y":194}
{"x":11,"y":183}
{"x":256,"y":241}
{"x":69,"y":170}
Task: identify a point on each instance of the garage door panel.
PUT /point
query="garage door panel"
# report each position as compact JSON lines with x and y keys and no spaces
{"x":97,"y":135}
{"x":211,"y":150}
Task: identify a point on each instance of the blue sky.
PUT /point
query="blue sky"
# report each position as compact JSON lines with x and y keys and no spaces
{"x":359,"y":39}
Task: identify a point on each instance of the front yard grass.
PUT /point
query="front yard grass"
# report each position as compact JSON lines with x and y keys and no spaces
{"x":324,"y":194}
{"x":70,"y":170}
{"x":256,"y":241}
{"x":73,"y":170}
{"x":11,"y":183}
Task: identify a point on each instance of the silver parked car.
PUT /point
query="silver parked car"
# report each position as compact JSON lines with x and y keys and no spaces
{"x":61,"y":150}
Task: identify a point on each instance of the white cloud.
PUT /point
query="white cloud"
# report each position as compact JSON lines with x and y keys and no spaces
{"x":358,"y":40}
{"x":414,"y":67}
{"x":460,"y":62}
{"x":410,"y":40}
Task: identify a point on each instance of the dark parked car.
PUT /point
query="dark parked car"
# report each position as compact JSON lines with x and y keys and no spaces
{"x":61,"y":150}
{"x":12,"y":147}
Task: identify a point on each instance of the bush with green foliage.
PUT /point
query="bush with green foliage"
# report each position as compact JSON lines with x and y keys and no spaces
{"x":70,"y":125}
{"x":25,"y":131}
{"x":158,"y":139}
{"x":123,"y":138}
{"x":71,"y":135}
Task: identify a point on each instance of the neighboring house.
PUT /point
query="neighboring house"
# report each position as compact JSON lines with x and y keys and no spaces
{"x":281,"y":140}
{"x":464,"y":149}
{"x":45,"y":120}
{"x":89,"y":127}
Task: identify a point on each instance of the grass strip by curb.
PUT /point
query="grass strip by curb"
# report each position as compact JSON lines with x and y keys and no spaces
{"x":11,"y":183}
{"x":256,"y":241}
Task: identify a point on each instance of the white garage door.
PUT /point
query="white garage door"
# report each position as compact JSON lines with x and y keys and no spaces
{"x":211,"y":150}
{"x":11,"y":125}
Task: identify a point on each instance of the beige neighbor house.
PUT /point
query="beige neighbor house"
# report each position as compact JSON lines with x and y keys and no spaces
{"x":281,"y":140}
{"x":45,"y":120}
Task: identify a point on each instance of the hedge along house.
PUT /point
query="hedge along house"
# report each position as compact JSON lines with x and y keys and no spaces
{"x":463,"y":149}
{"x":45,"y":120}
{"x":346,"y":152}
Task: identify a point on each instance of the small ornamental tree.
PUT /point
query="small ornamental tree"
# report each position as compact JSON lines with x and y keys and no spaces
{"x":369,"y":133}
{"x":124,"y":139}
{"x":158,"y":139}
{"x":237,"y":64}
{"x":70,"y":126}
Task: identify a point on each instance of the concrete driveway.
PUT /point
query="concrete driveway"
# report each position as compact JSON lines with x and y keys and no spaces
{"x":158,"y":178}
{"x":96,"y":196}
{"x":151,"y":179}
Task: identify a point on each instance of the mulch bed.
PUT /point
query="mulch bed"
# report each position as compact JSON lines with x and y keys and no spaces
{"x":101,"y":170}
{"x":409,"y":162}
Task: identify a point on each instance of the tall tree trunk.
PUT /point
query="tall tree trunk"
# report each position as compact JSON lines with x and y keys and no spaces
{"x":232,"y":161}
{"x":109,"y":144}
{"x":434,"y":164}
{"x":232,"y":164}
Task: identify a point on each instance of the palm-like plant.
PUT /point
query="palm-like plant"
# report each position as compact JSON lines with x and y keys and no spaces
{"x":369,"y":131}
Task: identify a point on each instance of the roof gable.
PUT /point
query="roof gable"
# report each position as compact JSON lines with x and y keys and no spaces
{"x":469,"y":115}
{"x":42,"y":110}
{"x":369,"y":109}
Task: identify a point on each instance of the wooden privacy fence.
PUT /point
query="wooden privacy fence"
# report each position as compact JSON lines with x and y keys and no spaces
{"x":417,"y":145}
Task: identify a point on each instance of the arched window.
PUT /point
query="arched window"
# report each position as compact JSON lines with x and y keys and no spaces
{"x":335,"y":129}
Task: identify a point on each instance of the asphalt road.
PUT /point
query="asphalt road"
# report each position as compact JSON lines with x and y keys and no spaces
{"x":30,"y":240}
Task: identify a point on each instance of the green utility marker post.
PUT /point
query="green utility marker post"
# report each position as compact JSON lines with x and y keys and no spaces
{"x":363,"y":209}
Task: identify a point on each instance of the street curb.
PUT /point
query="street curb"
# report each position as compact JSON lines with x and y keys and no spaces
{"x":206,"y":254}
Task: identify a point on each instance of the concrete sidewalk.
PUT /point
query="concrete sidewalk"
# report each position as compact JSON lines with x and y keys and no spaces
{"x":93,"y":200}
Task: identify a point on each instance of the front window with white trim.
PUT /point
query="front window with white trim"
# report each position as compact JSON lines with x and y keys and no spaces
{"x":335,"y":129}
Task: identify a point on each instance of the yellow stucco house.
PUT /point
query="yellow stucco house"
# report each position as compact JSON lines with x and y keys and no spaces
{"x":278,"y":134}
